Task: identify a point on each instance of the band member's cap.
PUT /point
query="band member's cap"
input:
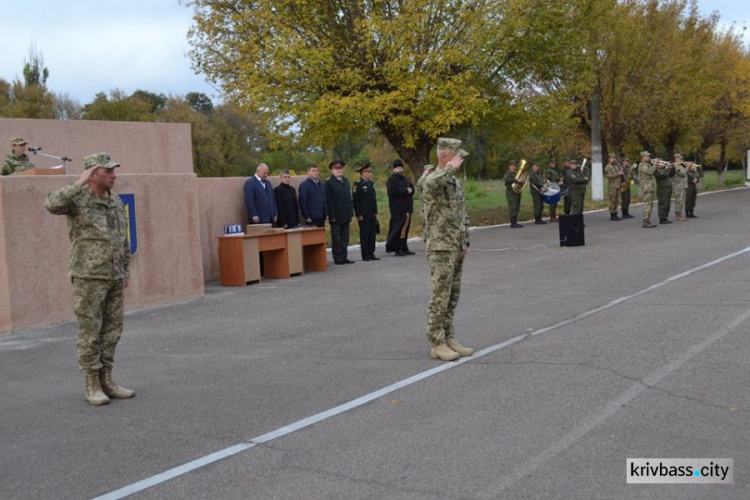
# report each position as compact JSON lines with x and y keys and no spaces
{"x":612,"y":155}
{"x":645,"y":153}
{"x":99,"y":160}
{"x":18,"y":141}
{"x":677,"y":155}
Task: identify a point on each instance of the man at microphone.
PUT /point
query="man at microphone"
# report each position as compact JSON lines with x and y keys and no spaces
{"x":17,"y":161}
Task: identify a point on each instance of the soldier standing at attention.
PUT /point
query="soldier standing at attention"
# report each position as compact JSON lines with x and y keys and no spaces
{"x":17,"y":161}
{"x":366,"y":210}
{"x":614,"y":175}
{"x":553,"y":175}
{"x":566,"y":199}
{"x":627,"y":170}
{"x":648,"y":185}
{"x":446,"y":235}
{"x":537,"y":183}
{"x":694,"y":175}
{"x":679,"y":187}
{"x":99,"y":268}
{"x":663,"y":177}
{"x":340,"y":210}
{"x":577,"y":182}
{"x":513,"y":199}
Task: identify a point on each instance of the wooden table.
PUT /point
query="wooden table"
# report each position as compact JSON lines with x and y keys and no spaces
{"x":314,"y":249}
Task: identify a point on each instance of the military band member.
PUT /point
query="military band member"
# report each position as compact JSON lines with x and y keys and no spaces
{"x":663,"y":176}
{"x":679,"y":187}
{"x":513,"y":199}
{"x":647,"y":183}
{"x":366,"y":211}
{"x":694,"y":175}
{"x":614,"y":174}
{"x":99,"y":270}
{"x":446,"y":235}
{"x":566,"y":199}
{"x":536,"y":182}
{"x":555,"y":175}
{"x":628,"y":171}
{"x":18,"y":160}
{"x":577,"y":183}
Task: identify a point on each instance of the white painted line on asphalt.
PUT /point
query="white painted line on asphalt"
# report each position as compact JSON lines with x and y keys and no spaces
{"x":355,"y":403}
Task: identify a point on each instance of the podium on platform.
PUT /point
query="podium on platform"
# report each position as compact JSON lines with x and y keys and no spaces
{"x":42,"y":171}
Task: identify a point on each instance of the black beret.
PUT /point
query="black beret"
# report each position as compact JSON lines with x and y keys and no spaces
{"x":397,"y":163}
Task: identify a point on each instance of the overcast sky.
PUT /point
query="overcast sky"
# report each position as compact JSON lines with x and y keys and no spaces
{"x":94,"y":46}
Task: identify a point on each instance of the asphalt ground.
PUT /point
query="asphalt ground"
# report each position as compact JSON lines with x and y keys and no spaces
{"x":632,"y":346}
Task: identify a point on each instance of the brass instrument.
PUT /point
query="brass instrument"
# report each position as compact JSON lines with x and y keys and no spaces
{"x":626,"y":180}
{"x":661,"y":163}
{"x":522,"y":177}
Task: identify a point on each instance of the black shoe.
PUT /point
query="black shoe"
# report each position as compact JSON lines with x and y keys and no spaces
{"x":626,"y":214}
{"x":400,"y":254}
{"x":515,"y":224}
{"x":409,"y":252}
{"x":347,"y":261}
{"x":665,"y":221}
{"x":692,"y":215}
{"x":613,"y":216}
{"x":539,"y":222}
{"x":339,"y":262}
{"x":372,"y":257}
{"x":366,"y":259}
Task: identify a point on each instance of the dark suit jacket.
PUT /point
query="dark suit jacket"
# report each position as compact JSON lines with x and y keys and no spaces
{"x":339,"y":199}
{"x":259,"y":202}
{"x":312,"y":200}
{"x":286,"y":203}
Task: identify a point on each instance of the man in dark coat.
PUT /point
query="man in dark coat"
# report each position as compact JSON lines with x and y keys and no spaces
{"x":312,"y":198}
{"x":286,"y":202}
{"x":259,"y":199}
{"x":366,"y":210}
{"x":401,"y":203}
{"x":340,"y":211}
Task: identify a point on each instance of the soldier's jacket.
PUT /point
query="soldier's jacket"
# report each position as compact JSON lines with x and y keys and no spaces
{"x":554,"y":175}
{"x":16,"y":163}
{"x":97,"y":230}
{"x":510,"y":180}
{"x":612,"y":172}
{"x":574,"y":179}
{"x":694,"y":174}
{"x":663,"y":177}
{"x":629,"y":170}
{"x":536,"y":179}
{"x":680,"y":176}
{"x":364,"y":199}
{"x":446,"y":224}
{"x":646,"y":177}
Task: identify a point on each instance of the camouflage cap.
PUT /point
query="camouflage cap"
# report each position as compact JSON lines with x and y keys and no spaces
{"x":18,"y":141}
{"x":448,"y":144}
{"x":645,"y":153}
{"x":612,"y":155}
{"x":677,"y":155}
{"x":99,"y":160}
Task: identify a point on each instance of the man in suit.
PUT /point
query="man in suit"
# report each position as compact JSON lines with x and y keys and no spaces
{"x":340,"y":211}
{"x":401,"y":203}
{"x":259,"y":199}
{"x":286,"y":202}
{"x":312,"y":198}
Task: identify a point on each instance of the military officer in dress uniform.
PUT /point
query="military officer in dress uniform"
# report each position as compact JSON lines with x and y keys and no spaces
{"x":340,"y":210}
{"x":366,"y":211}
{"x":18,"y":160}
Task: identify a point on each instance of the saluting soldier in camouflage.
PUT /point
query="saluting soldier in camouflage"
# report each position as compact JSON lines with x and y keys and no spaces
{"x":555,"y":175}
{"x":614,"y":175}
{"x":446,"y":234}
{"x":663,"y":176}
{"x":577,"y":182}
{"x":99,"y":268}
{"x":694,"y":175}
{"x":17,"y":161}
{"x":536,"y":182}
{"x":627,"y":170}
{"x":647,"y":184}
{"x":679,"y":187}
{"x":513,"y":199}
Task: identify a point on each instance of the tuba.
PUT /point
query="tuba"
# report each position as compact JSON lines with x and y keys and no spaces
{"x":522,"y":175}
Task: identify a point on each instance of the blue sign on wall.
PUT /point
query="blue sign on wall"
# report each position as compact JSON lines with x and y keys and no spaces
{"x":129,"y":201}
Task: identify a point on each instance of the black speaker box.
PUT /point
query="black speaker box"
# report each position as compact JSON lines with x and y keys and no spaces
{"x":571,"y":230}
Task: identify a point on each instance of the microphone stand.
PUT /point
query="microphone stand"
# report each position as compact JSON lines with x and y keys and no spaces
{"x":61,"y":158}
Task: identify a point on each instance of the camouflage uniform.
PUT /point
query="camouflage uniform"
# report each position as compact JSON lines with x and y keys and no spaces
{"x":679,"y":187}
{"x":446,"y":233}
{"x":99,"y":264}
{"x":647,"y":184}
{"x":612,"y":172}
{"x":16,"y":163}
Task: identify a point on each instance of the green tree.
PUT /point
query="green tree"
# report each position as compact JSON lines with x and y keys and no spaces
{"x":30,"y":98}
{"x":119,"y":107}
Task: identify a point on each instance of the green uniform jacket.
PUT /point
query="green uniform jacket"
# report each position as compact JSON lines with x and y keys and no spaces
{"x":574,"y":179}
{"x":97,"y":229}
{"x":446,"y":224}
{"x":680,"y":176}
{"x":663,"y":177}
{"x":339,"y":199}
{"x":554,"y":175}
{"x":510,"y":180}
{"x":16,"y":163}
{"x":612,"y":172}
{"x":538,"y":181}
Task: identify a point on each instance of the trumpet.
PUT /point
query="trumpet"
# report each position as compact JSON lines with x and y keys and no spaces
{"x":660,"y":163}
{"x":522,"y":177}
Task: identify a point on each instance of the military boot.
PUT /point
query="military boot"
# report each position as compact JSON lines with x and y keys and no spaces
{"x":691,"y":215}
{"x":461,"y":350}
{"x":514,"y":222}
{"x":679,"y":217}
{"x":109,"y":386}
{"x":647,"y":223}
{"x":613,"y":216}
{"x":94,"y":393}
{"x":665,"y":221}
{"x":442,"y":351}
{"x":626,"y":214}
{"x":538,"y":221}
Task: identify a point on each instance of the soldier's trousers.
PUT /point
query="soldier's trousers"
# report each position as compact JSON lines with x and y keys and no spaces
{"x":625,"y":200}
{"x":340,"y":242}
{"x":691,"y":197}
{"x":664,"y":196}
{"x":553,"y":210}
{"x":98,"y":305}
{"x":576,"y":202}
{"x":446,"y":269}
{"x":367,"y":236}
{"x":614,"y":197}
{"x":648,"y":203}
{"x":567,"y":204}
{"x":679,"y":200}
{"x":536,"y":199}
{"x":514,"y":204}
